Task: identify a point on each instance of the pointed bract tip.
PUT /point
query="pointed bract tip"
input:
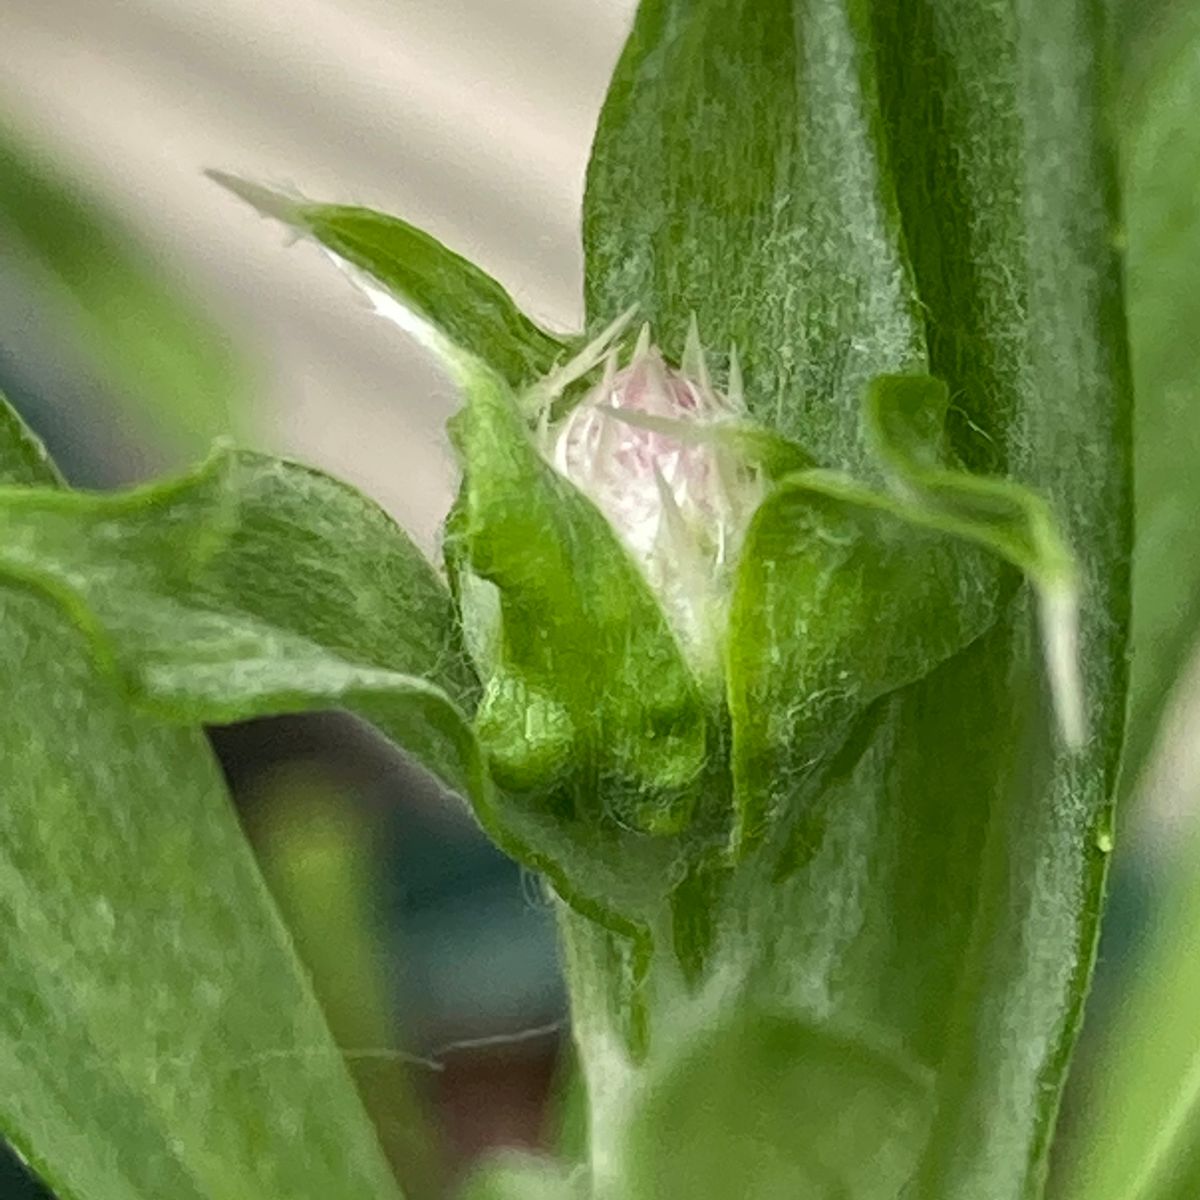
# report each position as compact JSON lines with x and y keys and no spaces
{"x":735,"y":392}
{"x":611,"y":366}
{"x":267,"y":201}
{"x":598,"y":350}
{"x":693,"y":362}
{"x":613,"y":331}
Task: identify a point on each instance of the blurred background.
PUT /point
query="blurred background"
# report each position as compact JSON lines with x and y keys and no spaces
{"x":143,"y":312}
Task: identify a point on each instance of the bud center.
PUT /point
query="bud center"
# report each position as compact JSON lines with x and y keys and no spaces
{"x":645,"y":446}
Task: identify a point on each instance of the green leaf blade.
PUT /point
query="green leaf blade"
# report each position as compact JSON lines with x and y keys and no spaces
{"x":1003,"y":167}
{"x":951,"y":862}
{"x":157,"y":1036}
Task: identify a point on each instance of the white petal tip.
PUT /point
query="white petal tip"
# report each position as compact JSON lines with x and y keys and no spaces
{"x":693,"y":363}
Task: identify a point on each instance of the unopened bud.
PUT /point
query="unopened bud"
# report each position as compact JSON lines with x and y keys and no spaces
{"x":645,"y":446}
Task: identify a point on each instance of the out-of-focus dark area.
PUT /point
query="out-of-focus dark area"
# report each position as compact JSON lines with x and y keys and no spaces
{"x":143,"y":312}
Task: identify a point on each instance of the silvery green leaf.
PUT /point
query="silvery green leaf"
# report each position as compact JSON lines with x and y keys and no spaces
{"x":844,"y":192}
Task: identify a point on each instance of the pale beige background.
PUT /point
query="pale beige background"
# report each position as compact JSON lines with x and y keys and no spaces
{"x":471,"y":118}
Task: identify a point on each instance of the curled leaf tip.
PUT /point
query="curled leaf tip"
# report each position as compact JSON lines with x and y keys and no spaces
{"x":905,"y":418}
{"x":1059,"y":607}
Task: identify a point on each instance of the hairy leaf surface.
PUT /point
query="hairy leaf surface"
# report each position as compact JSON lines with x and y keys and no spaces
{"x":583,"y":642}
{"x":853,"y":190}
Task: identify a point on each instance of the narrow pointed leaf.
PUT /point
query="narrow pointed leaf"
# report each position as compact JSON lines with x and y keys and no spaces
{"x":434,"y":283}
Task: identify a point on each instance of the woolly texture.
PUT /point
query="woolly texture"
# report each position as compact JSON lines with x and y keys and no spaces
{"x":645,"y":446}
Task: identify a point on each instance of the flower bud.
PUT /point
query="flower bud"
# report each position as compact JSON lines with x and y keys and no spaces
{"x":645,"y":445}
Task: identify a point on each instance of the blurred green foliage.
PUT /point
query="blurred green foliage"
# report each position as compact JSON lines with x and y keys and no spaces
{"x":316,"y":847}
{"x":1135,"y":1106}
{"x":75,"y":281}
{"x":1160,"y":119}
